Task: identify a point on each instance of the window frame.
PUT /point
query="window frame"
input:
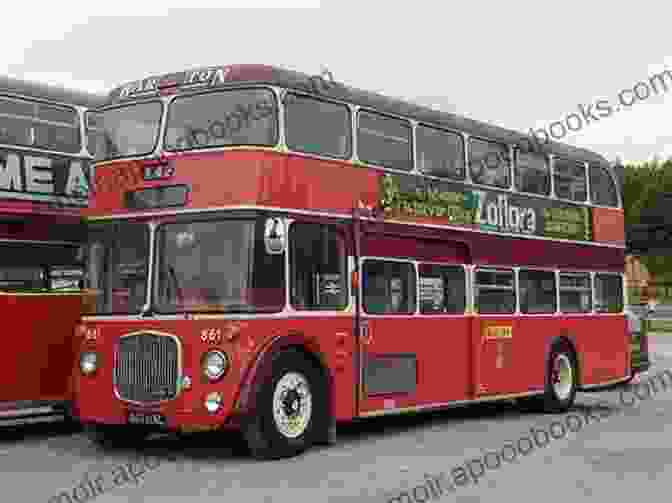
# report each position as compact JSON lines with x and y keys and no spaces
{"x":158,"y":140}
{"x":614,"y":185}
{"x":443,"y":265}
{"x":547,"y":162}
{"x":595,"y":278}
{"x":157,"y":261}
{"x":441,"y":130}
{"x":556,"y":301}
{"x":476,"y":287}
{"x":163,"y":131}
{"x":414,"y":289}
{"x":347,"y":106}
{"x":510,"y":185}
{"x":555,"y":159}
{"x":590,"y":289}
{"x":378,"y":164}
{"x":110,"y":252}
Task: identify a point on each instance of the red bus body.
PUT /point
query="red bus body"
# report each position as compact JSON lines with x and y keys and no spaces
{"x":413,"y":361}
{"x":43,"y":158}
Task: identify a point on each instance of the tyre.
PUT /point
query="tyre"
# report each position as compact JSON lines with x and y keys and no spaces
{"x":291,"y":409}
{"x":114,"y":435}
{"x":561,"y":384}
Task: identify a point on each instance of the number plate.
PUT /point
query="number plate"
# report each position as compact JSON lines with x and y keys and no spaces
{"x":146,"y":419}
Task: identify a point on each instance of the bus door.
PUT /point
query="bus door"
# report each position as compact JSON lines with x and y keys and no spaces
{"x":414,"y":344}
{"x":320,"y":264}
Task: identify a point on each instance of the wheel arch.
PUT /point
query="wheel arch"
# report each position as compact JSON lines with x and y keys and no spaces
{"x":260,"y":370}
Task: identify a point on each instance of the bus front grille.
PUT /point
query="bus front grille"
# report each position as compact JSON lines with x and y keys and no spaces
{"x":147,"y":368}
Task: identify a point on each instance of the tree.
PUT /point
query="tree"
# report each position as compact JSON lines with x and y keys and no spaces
{"x":643,"y":187}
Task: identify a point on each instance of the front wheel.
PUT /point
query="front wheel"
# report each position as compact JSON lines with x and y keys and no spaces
{"x":291,"y":410}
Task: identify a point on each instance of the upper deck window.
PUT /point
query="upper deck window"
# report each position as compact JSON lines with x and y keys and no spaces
{"x":222,"y":118}
{"x":39,"y":125}
{"x":332,"y":138}
{"x":129,"y":130}
{"x":570,"y":180}
{"x":602,"y":188}
{"x":489,"y":163}
{"x":440,"y":153}
{"x":533,"y":174}
{"x":384,"y":141}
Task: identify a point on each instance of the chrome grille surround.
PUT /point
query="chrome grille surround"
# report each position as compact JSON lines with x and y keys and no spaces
{"x":147,"y":367}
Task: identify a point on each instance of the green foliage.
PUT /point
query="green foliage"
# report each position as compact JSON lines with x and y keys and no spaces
{"x":644,"y":183}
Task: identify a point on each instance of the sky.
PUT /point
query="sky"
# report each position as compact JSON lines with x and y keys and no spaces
{"x":519,"y":64}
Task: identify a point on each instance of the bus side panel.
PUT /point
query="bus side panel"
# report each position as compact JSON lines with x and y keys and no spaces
{"x":532,"y":335}
{"x":497,"y":341}
{"x":446,"y":371}
{"x":602,"y":342}
{"x":38,"y":346}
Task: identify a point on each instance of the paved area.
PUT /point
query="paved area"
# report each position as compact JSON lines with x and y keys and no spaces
{"x":621,"y":454}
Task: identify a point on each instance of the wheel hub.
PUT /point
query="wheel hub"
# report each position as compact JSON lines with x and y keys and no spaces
{"x":562,"y":376}
{"x":292,"y":405}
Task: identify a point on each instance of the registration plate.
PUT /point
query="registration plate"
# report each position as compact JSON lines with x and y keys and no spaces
{"x":146,"y":419}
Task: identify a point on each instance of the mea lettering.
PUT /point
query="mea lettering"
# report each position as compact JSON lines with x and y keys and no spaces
{"x":43,"y":175}
{"x":230,"y":124}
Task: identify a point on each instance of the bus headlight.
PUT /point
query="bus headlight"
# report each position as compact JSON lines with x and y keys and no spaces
{"x":88,"y":362}
{"x":215,"y":364}
{"x":213,"y":402}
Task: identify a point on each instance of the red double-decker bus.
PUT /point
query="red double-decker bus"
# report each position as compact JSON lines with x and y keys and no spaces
{"x":44,"y":184}
{"x":275,"y":253}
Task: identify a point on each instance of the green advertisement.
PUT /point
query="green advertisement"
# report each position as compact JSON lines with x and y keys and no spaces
{"x":487,"y":209}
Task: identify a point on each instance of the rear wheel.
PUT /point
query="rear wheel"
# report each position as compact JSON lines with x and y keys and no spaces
{"x":291,"y":411}
{"x":561,"y":384}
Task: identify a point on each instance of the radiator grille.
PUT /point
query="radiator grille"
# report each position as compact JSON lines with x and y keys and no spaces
{"x":147,"y":368}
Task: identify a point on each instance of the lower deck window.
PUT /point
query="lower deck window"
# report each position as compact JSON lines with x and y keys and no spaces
{"x":12,"y":278}
{"x":389,"y":287}
{"x":608,"y":293}
{"x":495,"y":291}
{"x":575,"y":293}
{"x":537,"y":292}
{"x":442,"y":289}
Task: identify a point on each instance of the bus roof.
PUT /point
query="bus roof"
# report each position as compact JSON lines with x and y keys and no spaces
{"x":236,"y":75}
{"x":55,"y":94}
